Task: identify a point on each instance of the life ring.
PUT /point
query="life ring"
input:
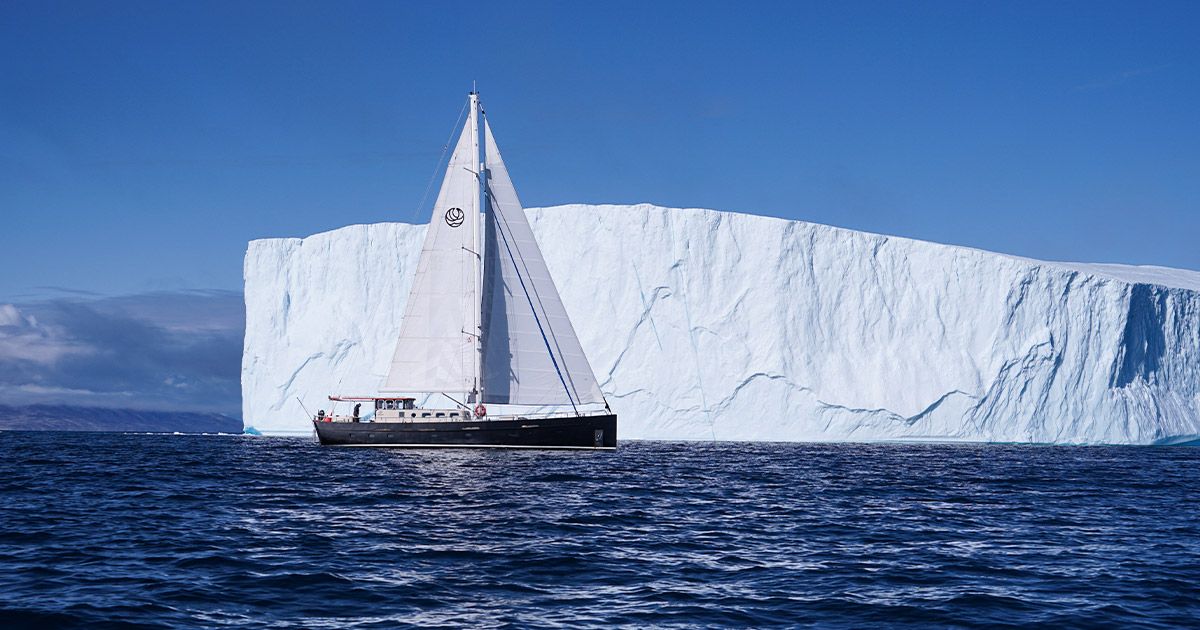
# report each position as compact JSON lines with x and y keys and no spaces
{"x":480,"y":410}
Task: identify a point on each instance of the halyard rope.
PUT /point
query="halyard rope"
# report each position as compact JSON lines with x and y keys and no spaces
{"x":438,"y":166}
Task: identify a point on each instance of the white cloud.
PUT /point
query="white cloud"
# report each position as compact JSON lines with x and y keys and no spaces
{"x":23,"y":338}
{"x":178,"y":351}
{"x":9,"y":315}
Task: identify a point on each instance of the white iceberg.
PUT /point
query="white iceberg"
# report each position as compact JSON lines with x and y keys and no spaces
{"x":707,"y":325}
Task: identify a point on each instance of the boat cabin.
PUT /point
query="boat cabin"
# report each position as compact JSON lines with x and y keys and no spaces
{"x":392,"y":409}
{"x":405,"y":409}
{"x":383,"y":404}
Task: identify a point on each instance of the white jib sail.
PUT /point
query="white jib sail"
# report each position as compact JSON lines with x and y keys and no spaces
{"x":531,"y":355}
{"x":438,"y":350}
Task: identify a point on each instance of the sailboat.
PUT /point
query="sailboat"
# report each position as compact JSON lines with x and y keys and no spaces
{"x":483,"y":325}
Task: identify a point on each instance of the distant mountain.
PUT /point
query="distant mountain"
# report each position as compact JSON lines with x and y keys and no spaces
{"x":67,"y":418}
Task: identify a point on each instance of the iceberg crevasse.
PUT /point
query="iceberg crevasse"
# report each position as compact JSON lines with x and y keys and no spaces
{"x":702,"y":324}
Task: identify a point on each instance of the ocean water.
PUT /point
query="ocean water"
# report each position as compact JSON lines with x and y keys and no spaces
{"x":207,"y":531}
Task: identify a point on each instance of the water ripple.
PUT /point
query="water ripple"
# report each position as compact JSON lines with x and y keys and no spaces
{"x":205,"y":531}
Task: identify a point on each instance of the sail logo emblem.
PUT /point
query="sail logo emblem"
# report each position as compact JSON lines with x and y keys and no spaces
{"x":454,"y":217}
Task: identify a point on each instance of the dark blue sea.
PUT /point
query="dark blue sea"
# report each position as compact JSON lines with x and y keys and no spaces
{"x":113,"y":530}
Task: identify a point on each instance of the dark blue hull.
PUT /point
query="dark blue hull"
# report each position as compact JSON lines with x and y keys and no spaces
{"x":582,"y":432}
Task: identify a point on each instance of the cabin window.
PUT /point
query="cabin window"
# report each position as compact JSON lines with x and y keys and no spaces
{"x":424,"y":415}
{"x":440,"y":415}
{"x":453,"y":414}
{"x":408,"y":404}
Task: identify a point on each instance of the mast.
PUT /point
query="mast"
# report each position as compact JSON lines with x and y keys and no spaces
{"x":477,"y":308}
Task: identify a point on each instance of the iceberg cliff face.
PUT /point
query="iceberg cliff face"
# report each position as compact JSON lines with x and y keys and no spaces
{"x":712,"y":325}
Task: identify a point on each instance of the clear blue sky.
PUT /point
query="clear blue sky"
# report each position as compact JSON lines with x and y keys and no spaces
{"x":142,"y":144}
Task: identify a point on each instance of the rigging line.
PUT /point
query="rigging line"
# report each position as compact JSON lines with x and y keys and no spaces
{"x":438,"y":166}
{"x":541,"y":329}
{"x":536,"y":319}
{"x":455,"y":400}
{"x":303,"y":407}
{"x":538,"y":295}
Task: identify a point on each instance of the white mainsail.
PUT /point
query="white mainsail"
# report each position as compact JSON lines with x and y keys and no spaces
{"x":483,"y":316}
{"x":438,"y":350}
{"x":531,"y":355}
